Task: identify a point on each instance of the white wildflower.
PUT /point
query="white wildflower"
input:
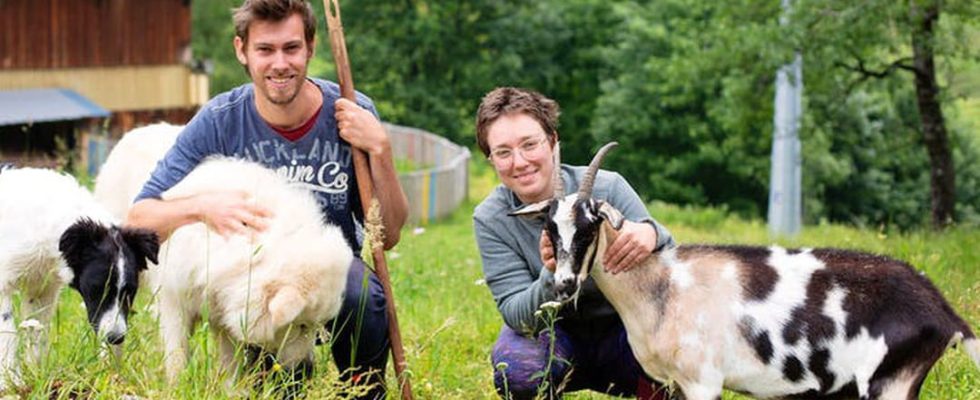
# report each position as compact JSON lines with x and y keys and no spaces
{"x":31,"y":324}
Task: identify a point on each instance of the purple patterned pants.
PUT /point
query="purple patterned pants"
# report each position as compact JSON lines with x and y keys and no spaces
{"x":598,"y":360}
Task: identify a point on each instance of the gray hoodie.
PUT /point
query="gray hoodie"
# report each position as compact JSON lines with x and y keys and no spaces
{"x":512,"y":262}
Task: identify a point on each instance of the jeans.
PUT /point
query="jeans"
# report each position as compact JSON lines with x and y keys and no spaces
{"x":360,"y":332}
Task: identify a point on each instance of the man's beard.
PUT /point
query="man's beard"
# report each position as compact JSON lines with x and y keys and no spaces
{"x":283,"y":101}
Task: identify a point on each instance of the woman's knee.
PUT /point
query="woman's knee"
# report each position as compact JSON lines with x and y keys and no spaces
{"x":520,"y":364}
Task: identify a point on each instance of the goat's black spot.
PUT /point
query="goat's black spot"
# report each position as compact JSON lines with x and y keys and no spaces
{"x":808,"y":319}
{"x":757,"y":277}
{"x":586,"y":232}
{"x":7,"y":316}
{"x":793,"y":329}
{"x":792,"y":369}
{"x":659,"y":294}
{"x":819,"y":360}
{"x":759,"y":340}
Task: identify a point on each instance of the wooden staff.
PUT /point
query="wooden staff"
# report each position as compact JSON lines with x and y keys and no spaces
{"x":363,"y":172}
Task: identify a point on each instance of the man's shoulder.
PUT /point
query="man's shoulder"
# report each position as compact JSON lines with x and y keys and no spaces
{"x":331,"y":91}
{"x":232,"y":99}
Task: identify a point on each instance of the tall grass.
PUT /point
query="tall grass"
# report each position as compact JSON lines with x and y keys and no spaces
{"x":449,"y":321}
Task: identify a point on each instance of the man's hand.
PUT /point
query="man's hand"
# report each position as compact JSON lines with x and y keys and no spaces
{"x":360,"y":127}
{"x":229,"y":213}
{"x":635,"y":243}
{"x":547,"y":252}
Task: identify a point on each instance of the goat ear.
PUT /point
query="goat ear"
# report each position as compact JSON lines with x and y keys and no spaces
{"x":285,"y":305}
{"x":83,"y":234}
{"x":143,"y":242}
{"x":610,"y":214}
{"x":532,"y":211}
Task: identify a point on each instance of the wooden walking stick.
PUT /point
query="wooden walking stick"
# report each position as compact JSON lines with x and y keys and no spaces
{"x":363,"y":173}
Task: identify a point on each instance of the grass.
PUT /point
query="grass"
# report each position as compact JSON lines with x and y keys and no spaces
{"x":449,"y":321}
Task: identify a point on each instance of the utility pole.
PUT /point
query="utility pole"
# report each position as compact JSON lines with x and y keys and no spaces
{"x":785,"y":205}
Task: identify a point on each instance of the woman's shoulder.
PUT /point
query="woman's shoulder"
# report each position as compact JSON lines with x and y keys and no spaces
{"x":495,"y":205}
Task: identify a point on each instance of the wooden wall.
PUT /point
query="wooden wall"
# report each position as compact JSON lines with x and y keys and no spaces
{"x":93,"y":33}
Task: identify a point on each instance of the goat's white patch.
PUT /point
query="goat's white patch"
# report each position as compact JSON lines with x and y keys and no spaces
{"x":564,"y":219}
{"x":861,"y":354}
{"x":680,"y":272}
{"x":972,"y":347}
{"x":729,"y":271}
{"x":897,"y":388}
{"x":690,"y":340}
{"x":772,"y":314}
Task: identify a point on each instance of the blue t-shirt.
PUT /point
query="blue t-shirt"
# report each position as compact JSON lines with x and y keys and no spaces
{"x":320,"y":160}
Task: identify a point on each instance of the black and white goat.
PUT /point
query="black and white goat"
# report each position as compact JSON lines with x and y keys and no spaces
{"x":768,"y":322}
{"x":53,"y":232}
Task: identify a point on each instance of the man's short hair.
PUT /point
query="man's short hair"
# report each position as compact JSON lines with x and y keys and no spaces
{"x":510,"y":100}
{"x":275,"y":11}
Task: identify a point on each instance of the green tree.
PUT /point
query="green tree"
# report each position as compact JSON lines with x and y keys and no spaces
{"x":879,"y":38}
{"x":690,"y":94}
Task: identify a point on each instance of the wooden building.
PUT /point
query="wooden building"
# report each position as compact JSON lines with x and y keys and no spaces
{"x":130,"y":57}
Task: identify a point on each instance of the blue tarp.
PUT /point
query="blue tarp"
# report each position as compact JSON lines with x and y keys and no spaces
{"x":45,"y":105}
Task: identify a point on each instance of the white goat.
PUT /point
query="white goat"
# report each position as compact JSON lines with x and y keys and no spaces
{"x":768,"y":322}
{"x":274,"y":289}
{"x":53,"y":232}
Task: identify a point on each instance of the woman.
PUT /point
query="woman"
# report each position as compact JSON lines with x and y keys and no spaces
{"x":517,"y":131}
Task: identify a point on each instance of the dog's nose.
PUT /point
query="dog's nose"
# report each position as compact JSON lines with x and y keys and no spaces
{"x":115,"y":338}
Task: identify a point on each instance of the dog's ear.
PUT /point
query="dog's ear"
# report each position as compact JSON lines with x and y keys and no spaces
{"x":143,"y":242}
{"x":83,"y":234}
{"x":285,"y":304}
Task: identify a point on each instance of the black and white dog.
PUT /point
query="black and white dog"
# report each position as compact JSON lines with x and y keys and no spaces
{"x":52,"y":233}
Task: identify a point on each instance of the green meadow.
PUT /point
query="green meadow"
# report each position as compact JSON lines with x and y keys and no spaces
{"x":449,"y":321}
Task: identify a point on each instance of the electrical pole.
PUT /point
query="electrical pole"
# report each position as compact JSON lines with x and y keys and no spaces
{"x":785,"y":205}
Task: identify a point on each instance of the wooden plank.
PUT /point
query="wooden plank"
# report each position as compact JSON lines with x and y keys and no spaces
{"x":118,"y":88}
{"x":89,"y":33}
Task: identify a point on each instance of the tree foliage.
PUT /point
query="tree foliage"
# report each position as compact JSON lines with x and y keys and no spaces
{"x":686,"y":86}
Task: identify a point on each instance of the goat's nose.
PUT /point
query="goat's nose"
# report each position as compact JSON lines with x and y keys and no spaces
{"x":115,"y":338}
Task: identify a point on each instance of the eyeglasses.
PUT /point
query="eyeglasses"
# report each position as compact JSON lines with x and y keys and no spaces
{"x":529,"y":149}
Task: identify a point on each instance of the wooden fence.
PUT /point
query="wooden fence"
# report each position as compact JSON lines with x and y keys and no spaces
{"x":441,"y":181}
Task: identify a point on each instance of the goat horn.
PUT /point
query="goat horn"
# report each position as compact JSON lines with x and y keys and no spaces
{"x":585,"y":189}
{"x":559,"y":185}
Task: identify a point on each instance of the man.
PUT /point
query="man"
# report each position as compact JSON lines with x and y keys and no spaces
{"x":517,"y":131}
{"x":300,"y":127}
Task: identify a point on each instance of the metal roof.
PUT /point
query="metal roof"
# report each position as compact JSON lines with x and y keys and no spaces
{"x":45,"y":105}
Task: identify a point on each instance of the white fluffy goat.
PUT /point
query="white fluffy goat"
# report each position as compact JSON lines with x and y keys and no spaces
{"x":274,"y":289}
